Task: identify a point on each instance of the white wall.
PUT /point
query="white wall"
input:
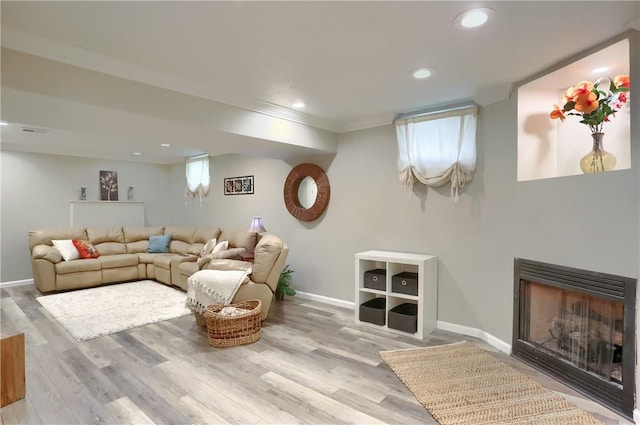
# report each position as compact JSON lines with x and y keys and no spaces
{"x":37,"y":188}
{"x":538,"y":136}
{"x":551,"y":148}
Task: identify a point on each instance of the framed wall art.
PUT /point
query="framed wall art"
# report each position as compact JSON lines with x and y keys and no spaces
{"x":108,"y":186}
{"x":242,"y":185}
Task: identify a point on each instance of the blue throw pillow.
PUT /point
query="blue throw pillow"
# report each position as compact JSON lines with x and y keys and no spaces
{"x":159,"y":243}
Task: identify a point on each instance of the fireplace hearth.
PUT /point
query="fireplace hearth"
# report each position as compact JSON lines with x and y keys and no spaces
{"x":579,"y":327}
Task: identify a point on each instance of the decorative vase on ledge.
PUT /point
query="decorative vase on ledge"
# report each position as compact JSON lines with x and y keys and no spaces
{"x":598,"y":160}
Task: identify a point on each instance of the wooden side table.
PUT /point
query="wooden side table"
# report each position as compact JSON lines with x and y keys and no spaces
{"x":12,"y":367}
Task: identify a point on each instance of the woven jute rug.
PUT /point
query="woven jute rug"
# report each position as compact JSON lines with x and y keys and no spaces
{"x":461,"y":384}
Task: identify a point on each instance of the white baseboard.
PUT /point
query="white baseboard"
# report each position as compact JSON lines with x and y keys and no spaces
{"x":636,"y":416}
{"x":446,"y":326}
{"x":478,"y":333}
{"x":16,"y":283}
{"x":326,"y":300}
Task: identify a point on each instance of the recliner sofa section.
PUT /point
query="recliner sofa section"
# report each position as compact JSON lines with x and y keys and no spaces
{"x":123,"y":255}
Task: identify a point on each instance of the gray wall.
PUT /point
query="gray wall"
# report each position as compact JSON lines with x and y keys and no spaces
{"x":588,"y":221}
{"x":37,"y":188}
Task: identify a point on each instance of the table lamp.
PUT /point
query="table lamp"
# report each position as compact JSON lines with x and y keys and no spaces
{"x":256,"y":225}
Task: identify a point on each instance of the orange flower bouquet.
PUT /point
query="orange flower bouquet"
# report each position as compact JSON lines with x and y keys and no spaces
{"x":595,"y":106}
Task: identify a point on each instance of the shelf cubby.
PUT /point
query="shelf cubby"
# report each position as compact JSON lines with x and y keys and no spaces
{"x":426,"y":266}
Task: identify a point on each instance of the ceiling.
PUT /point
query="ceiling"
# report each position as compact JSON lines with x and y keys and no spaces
{"x":220,"y":77}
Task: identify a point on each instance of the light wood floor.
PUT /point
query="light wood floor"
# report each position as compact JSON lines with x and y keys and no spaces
{"x":313,"y":365}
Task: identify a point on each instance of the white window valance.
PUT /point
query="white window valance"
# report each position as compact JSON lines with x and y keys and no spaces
{"x":438,"y":148}
{"x":198,"y":178}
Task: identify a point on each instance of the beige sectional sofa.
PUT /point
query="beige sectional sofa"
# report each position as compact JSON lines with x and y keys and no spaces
{"x":123,"y":257}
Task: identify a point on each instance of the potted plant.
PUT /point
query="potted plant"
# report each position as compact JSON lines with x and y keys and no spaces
{"x":284,"y":284}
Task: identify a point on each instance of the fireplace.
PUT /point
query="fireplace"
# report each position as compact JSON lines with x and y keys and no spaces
{"x":579,"y":327}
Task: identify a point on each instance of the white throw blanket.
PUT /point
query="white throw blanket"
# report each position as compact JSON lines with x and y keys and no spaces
{"x":207,"y":287}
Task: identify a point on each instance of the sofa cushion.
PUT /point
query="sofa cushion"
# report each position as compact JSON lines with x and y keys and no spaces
{"x":137,"y":238}
{"x":108,"y":240}
{"x":85,"y":248}
{"x":135,"y":234}
{"x":44,"y":237}
{"x":188,"y":268}
{"x":181,"y":247}
{"x":67,"y":249}
{"x":204,"y":234}
{"x":75,"y":266}
{"x":184,"y":234}
{"x":265,"y":255}
{"x":111,"y":248}
{"x":159,"y":243}
{"x":98,"y":235}
{"x":231,"y":253}
{"x":137,"y":247}
{"x":239,"y":239}
{"x":118,"y":260}
{"x":163,"y":261}
{"x":182,"y":240}
{"x":146,"y":258}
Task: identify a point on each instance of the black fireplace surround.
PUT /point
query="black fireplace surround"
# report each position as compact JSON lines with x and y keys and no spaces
{"x":578,"y":326}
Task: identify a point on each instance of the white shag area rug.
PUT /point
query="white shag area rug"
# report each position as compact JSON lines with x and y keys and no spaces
{"x":95,"y":312}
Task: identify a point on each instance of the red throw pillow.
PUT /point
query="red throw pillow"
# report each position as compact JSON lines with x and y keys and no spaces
{"x":86,"y":249}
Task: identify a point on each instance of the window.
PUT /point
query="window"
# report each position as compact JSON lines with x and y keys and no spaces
{"x":197,"y":177}
{"x":438,"y":147}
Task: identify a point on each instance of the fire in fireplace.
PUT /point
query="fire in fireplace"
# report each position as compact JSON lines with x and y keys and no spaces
{"x":579,"y":327}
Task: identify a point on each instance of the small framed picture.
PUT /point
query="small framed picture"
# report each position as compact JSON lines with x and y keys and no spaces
{"x":242,"y":185}
{"x":108,"y":186}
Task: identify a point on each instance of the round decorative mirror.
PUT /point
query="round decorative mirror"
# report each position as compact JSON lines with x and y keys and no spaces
{"x":306,"y":192}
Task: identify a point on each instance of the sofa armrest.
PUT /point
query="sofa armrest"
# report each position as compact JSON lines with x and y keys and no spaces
{"x":46,"y":252}
{"x":184,"y":258}
{"x":176,"y":260}
{"x":270,"y":256}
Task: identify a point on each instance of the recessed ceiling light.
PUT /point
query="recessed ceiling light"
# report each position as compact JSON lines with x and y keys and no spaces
{"x":600,"y":69}
{"x":137,"y":153}
{"x":298,"y":104}
{"x":4,"y":123}
{"x":473,"y":18}
{"x":165,"y":145}
{"x":422,"y":73}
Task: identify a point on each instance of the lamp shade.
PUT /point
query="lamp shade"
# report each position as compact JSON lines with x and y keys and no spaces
{"x":256,"y":225}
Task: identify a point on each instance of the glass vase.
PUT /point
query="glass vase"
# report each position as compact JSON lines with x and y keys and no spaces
{"x":598,"y":160}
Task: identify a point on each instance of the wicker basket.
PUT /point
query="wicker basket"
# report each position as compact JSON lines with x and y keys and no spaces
{"x":229,"y":331}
